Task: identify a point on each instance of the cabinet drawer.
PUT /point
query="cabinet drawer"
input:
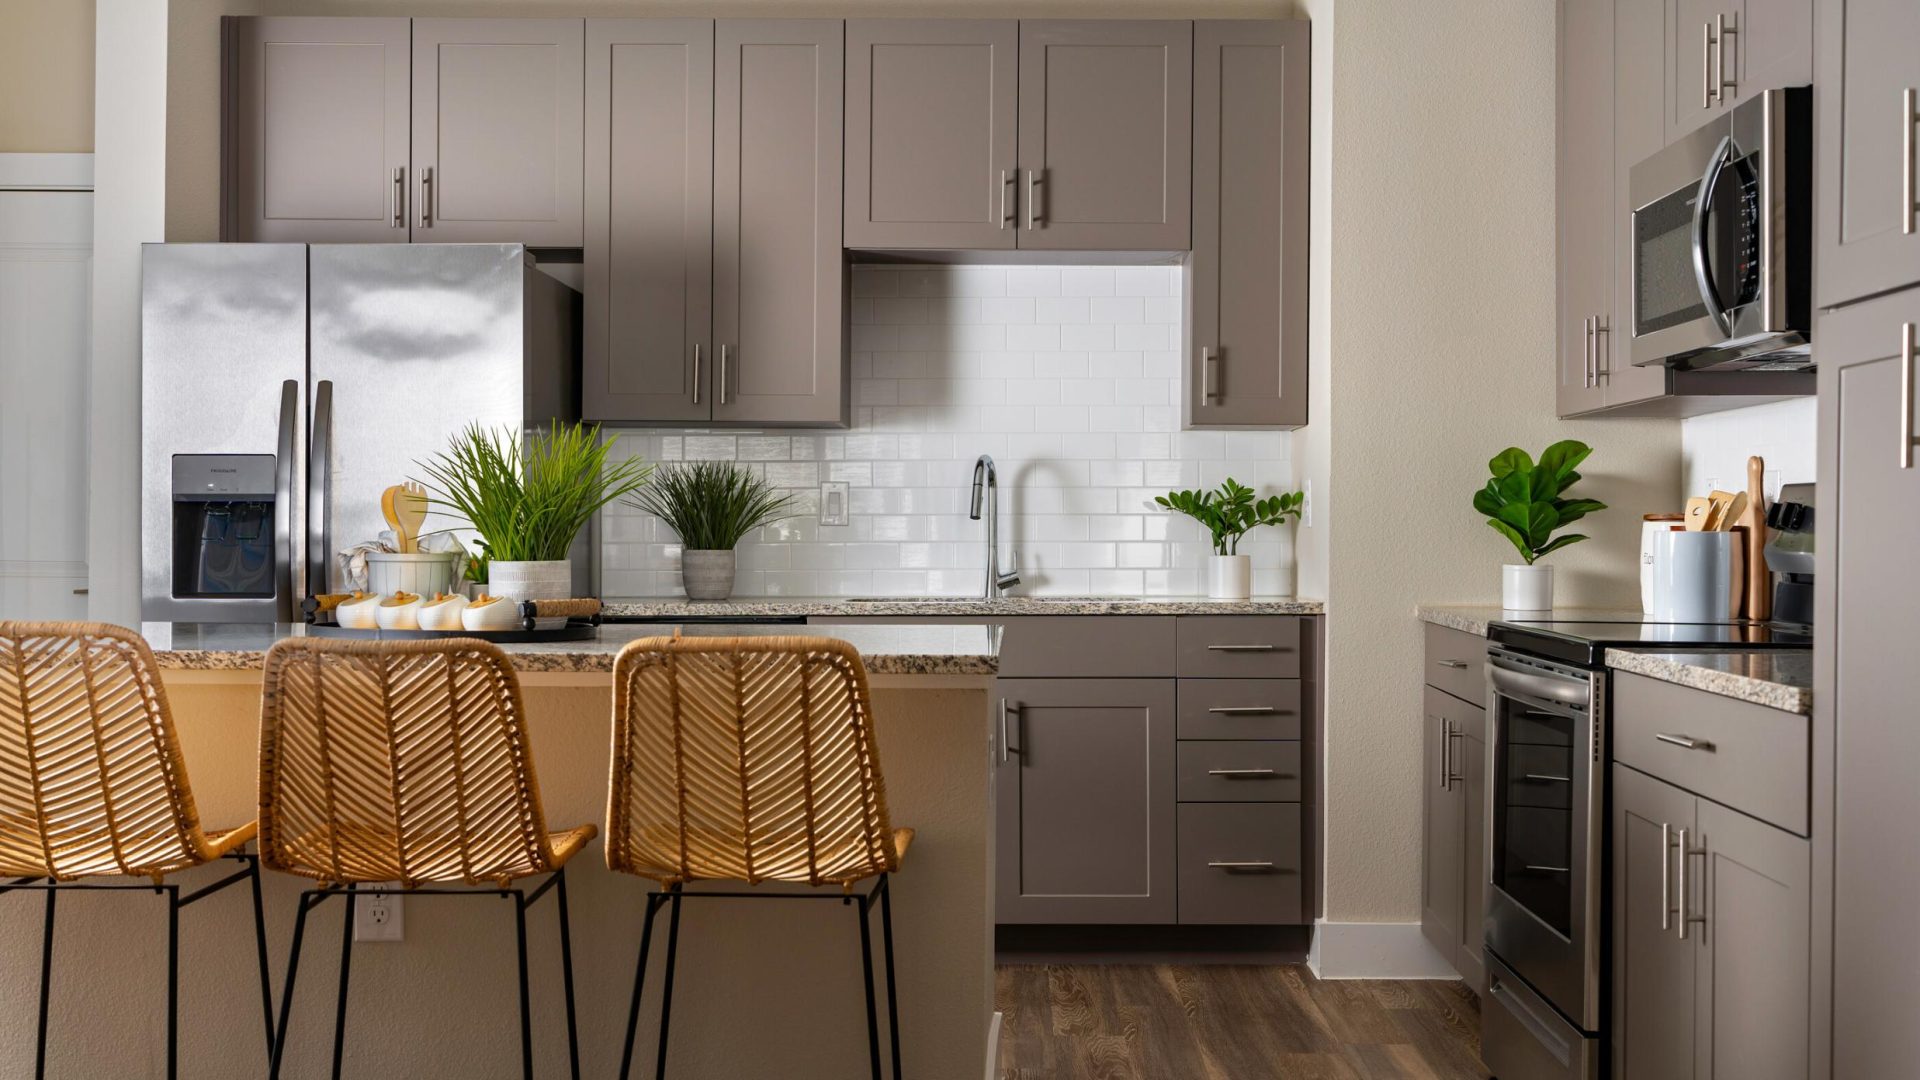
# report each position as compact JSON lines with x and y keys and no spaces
{"x":1457,"y":663}
{"x":1239,"y":646}
{"x":1240,"y":863}
{"x":1087,"y":646}
{"x":1746,"y":756}
{"x":1238,"y":709}
{"x":1237,"y":772}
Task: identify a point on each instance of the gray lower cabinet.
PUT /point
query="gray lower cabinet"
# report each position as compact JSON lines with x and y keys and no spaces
{"x":1106,"y":135}
{"x":497,"y":152}
{"x":1246,"y":280}
{"x":931,"y":130}
{"x":315,"y":129}
{"x":1870,"y":507}
{"x":1868,"y":74}
{"x":1712,"y":938}
{"x":1084,"y":803}
{"x":1453,"y":866}
{"x":1240,"y":864}
{"x":779,"y":274}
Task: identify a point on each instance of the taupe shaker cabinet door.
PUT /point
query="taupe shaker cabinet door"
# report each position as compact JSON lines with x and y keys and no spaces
{"x":1106,"y":120}
{"x":1721,"y":52}
{"x":1638,"y":133}
{"x":1752,"y":967}
{"x":1246,"y":281}
{"x":1869,"y":139}
{"x":1084,"y":801}
{"x":1584,"y":191}
{"x":1653,"y":967}
{"x":931,"y":116}
{"x":1443,"y":824}
{"x":316,"y":129}
{"x":497,"y":131}
{"x":779,"y":274}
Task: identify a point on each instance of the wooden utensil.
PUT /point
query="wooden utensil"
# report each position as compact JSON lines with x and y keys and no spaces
{"x":1717,"y":503}
{"x":1732,"y":515}
{"x":1759,"y":583}
{"x":390,"y":510}
{"x":410,"y":505}
{"x":1697,"y":508}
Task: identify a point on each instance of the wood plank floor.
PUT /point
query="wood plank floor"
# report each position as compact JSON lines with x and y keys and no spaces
{"x":1229,"y":1022}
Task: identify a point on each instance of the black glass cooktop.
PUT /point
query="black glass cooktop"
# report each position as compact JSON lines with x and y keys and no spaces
{"x":1585,"y":642}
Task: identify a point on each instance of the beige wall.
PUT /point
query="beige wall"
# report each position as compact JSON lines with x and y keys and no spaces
{"x":1442,"y":343}
{"x":46,"y":76}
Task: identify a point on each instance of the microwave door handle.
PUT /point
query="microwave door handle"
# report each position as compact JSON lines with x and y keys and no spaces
{"x":284,"y":541}
{"x":1702,"y":265}
{"x":319,"y":481}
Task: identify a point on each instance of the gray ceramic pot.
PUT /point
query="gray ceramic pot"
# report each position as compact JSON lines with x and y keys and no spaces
{"x":707,"y":575}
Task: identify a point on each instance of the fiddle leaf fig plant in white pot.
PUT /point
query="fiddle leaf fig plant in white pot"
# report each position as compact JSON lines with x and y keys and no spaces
{"x":712,"y":505}
{"x":1230,"y":512}
{"x":1527,"y":502}
{"x":528,"y":499}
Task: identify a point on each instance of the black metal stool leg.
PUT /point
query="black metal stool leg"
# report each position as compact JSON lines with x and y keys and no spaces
{"x":566,"y":972}
{"x":526,"y":1010}
{"x":346,"y":969}
{"x":173,"y":981}
{"x":666,"y":996}
{"x":307,"y":902}
{"x":46,"y":986}
{"x":866,"y":975}
{"x":639,"y":983}
{"x":893,"y":997}
{"x":260,"y":942}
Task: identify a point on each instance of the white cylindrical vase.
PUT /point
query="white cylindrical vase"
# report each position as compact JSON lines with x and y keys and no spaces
{"x":546,"y":579}
{"x":1229,"y":577}
{"x":1526,"y":588}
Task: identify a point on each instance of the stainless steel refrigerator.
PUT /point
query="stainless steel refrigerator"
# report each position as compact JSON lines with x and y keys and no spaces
{"x":285,"y":386}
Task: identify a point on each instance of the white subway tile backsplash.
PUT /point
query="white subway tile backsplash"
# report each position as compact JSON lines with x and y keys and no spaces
{"x":1068,"y":376}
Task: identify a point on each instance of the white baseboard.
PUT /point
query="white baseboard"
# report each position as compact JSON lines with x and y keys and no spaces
{"x":993,"y":1046}
{"x":1375,"y":951}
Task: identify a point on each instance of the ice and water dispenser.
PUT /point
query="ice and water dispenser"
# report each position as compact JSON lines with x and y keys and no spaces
{"x":223,"y":527}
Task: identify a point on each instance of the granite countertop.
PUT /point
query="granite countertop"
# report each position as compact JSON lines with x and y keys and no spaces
{"x":903,"y":649}
{"x":1473,"y":618}
{"x":1777,"y":678}
{"x":667,"y":607}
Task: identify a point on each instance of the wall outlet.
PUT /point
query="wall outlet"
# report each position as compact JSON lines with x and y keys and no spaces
{"x":833,"y":502}
{"x":377,"y":915}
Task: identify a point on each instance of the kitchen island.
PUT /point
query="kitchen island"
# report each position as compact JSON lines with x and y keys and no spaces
{"x":762,"y":989}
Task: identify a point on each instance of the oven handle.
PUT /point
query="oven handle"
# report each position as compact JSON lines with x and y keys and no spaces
{"x":1717,"y":163}
{"x":1510,"y":677}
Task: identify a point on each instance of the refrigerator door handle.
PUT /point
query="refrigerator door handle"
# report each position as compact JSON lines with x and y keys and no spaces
{"x":284,"y":541}
{"x":319,"y":481}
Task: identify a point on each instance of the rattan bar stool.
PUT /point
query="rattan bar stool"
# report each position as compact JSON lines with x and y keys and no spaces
{"x":92,"y":785}
{"x":405,"y":761}
{"x":749,"y":759}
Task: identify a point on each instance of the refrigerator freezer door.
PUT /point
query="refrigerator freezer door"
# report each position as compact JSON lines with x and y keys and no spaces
{"x":223,"y":329}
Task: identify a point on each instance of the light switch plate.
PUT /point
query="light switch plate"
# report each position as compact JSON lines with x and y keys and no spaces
{"x":833,"y":502}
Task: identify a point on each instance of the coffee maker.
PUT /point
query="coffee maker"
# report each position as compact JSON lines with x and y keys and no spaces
{"x":1789,"y":550}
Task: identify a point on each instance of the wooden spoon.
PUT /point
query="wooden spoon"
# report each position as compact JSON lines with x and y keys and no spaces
{"x":411,"y":507}
{"x":1730,"y":516}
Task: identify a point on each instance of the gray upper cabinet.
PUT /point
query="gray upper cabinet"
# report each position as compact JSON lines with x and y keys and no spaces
{"x":1720,"y":52}
{"x":1638,"y":132}
{"x":497,"y":131}
{"x":649,"y":215}
{"x":1106,"y":116}
{"x":315,"y":130}
{"x":1585,"y":222}
{"x":779,"y":275}
{"x":1246,"y":281}
{"x":931,"y":122}
{"x":1083,"y":792}
{"x":1870,"y":507}
{"x":1868,"y":228}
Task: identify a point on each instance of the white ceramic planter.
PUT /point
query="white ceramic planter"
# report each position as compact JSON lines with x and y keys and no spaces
{"x":1229,"y":577}
{"x":1526,"y":588}
{"x":422,"y":573}
{"x":550,"y":579}
{"x":707,"y":575}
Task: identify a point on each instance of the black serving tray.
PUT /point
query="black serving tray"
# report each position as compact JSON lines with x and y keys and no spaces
{"x":577,"y":628}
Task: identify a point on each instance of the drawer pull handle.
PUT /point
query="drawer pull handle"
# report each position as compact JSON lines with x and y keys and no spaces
{"x":1685,"y":742}
{"x":1240,"y":648}
{"x":1460,"y":664}
{"x":1550,"y":869}
{"x":1544,"y":778}
{"x":1243,"y":867}
{"x":1248,"y":774}
{"x":1244,"y":710}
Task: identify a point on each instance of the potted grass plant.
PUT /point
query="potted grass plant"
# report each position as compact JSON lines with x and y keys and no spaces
{"x":1229,"y":512}
{"x":1527,"y":502}
{"x":712,"y":505}
{"x":528,"y":499}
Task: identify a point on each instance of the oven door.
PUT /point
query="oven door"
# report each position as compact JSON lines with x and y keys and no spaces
{"x":1544,"y":849}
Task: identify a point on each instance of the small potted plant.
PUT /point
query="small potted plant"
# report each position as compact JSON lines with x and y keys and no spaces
{"x":1230,"y":512}
{"x":712,"y":505}
{"x":1527,"y":503}
{"x":528,"y":498}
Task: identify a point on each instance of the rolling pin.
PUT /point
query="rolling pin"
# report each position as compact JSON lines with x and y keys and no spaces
{"x":1759,"y":581}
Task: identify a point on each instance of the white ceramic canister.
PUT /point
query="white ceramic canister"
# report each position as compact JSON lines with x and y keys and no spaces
{"x":1692,"y":576}
{"x":428,"y":573}
{"x":1652,"y":526}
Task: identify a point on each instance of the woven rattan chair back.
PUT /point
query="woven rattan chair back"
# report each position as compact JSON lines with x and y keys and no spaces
{"x":745,"y":759}
{"x":91,"y":777}
{"x":397,"y":761}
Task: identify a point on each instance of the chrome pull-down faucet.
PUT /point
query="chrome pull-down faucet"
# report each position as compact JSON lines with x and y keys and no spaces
{"x":986,"y":494}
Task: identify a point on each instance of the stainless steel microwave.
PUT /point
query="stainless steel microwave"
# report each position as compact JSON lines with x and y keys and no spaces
{"x":1722,"y":242}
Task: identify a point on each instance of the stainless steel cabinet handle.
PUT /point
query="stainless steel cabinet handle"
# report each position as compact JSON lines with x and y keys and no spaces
{"x":1547,"y":778}
{"x":1005,"y":748}
{"x":426,"y":197}
{"x":1230,"y":867}
{"x":1909,"y":358}
{"x":1006,"y":198}
{"x":1685,"y":742}
{"x":1035,"y":178}
{"x":1601,"y":372}
{"x":1706,"y":65}
{"x":1909,"y":120}
{"x":399,"y":214}
{"x":1687,"y":920}
{"x":696,"y":373}
{"x":1208,"y":392}
{"x":1586,"y":352}
{"x":1456,"y":664}
{"x":1724,"y":27}
{"x":1666,"y":880}
{"x":1446,"y":753}
{"x":723,"y":374}
{"x":1240,"y":648}
{"x":1243,"y":710}
{"x":1453,"y":759}
{"x":1244,"y":774}
{"x":1551,"y":869}
{"x":1680,"y":882}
